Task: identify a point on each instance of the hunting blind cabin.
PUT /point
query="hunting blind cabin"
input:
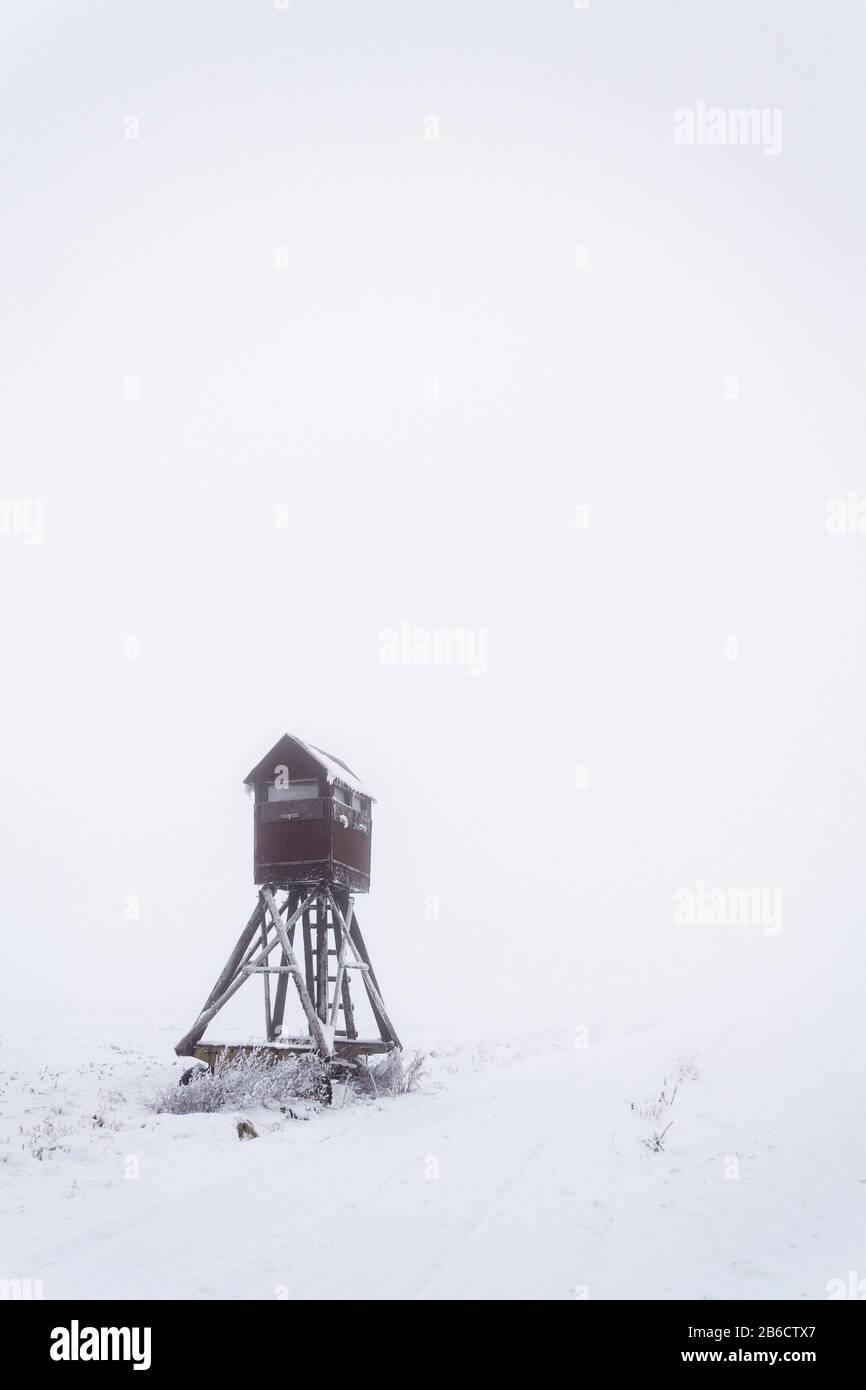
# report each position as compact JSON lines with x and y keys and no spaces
{"x":312,"y":829}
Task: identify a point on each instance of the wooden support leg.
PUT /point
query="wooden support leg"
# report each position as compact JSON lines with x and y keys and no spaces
{"x":189,"y":1040}
{"x":348,"y":1011}
{"x":386,"y":1028}
{"x":269,"y":1022}
{"x":345,"y":991}
{"x":322,"y":957}
{"x":249,"y":962}
{"x":279,"y":1013}
{"x":232,"y":965}
{"x":224,"y":979}
{"x":308,"y":957}
{"x":387,"y":1031}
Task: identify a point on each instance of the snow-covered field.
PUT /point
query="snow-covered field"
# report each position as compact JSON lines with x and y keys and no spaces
{"x":518,"y":1169}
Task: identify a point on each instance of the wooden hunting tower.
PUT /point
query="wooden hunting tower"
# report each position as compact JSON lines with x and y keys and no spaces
{"x":311,"y":855}
{"x":312,"y":819}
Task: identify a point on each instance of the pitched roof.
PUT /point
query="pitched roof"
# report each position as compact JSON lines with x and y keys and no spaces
{"x":334,"y":769}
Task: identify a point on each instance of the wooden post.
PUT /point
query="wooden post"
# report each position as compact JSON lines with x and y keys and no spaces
{"x":283,"y":982}
{"x":322,"y":957}
{"x":308,"y":956}
{"x":342,"y":992}
{"x":341,"y":938}
{"x":267,"y":980}
{"x":348,"y":1011}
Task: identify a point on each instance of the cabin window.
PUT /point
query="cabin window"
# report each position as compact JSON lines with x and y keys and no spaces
{"x":340,"y":794}
{"x":361,"y":803}
{"x":294,"y":791}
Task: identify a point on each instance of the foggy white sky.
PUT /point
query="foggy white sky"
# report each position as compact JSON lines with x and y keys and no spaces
{"x":316,"y":307}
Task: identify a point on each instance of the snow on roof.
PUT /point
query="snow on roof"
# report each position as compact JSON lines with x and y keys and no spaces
{"x":334,"y":769}
{"x":337,"y":771}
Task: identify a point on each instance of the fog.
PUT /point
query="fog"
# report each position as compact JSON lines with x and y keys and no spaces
{"x":330,"y":324}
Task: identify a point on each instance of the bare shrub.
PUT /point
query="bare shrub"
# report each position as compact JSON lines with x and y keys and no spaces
{"x":655,"y":1141}
{"x":46,"y":1139}
{"x":243,"y":1081}
{"x":655,"y":1109}
{"x":395,"y":1076}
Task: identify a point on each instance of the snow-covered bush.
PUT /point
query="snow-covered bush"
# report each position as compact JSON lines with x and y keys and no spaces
{"x":656,"y":1108}
{"x":47,"y":1138}
{"x":243,"y":1081}
{"x":395,"y":1076}
{"x":655,"y":1141}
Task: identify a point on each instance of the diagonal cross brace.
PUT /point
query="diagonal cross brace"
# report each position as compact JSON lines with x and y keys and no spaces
{"x":252,"y":960}
{"x":386,"y":1027}
{"x":317,"y":1029}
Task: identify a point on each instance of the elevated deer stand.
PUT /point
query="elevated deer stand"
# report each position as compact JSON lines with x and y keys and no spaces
{"x":331,"y":939}
{"x":312,"y":834}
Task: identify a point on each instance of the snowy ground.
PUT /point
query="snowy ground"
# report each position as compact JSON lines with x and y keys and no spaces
{"x":517,"y":1170}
